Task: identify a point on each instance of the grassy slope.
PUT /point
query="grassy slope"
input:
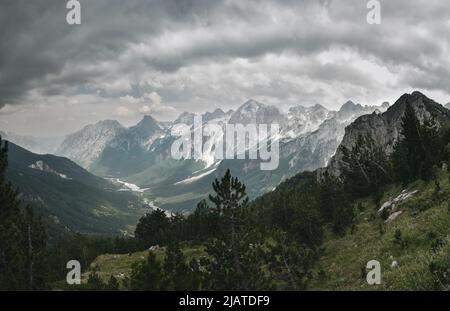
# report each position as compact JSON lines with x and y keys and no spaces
{"x":342,"y":264}
{"x":425,"y":220}
{"x":120,"y":265}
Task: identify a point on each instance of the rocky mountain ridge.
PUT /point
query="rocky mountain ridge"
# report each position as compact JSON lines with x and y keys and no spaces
{"x":384,"y":128}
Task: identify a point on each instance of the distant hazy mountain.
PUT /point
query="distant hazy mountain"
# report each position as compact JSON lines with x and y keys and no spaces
{"x":302,"y":120}
{"x":141,"y":154}
{"x":253,"y":112}
{"x":309,"y":138}
{"x":41,"y":145}
{"x":447,"y":106}
{"x":86,"y":145}
{"x":70,"y":197}
{"x":185,"y":118}
{"x":217,"y":114}
{"x":129,"y":151}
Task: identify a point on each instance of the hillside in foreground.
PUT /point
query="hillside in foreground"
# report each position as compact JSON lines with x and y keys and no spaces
{"x":413,"y":248}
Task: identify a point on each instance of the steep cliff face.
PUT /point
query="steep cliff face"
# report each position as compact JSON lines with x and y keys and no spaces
{"x":86,"y":145}
{"x":385,"y":128}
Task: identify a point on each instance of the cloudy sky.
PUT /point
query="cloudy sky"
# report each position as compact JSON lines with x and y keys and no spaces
{"x":163,"y":57}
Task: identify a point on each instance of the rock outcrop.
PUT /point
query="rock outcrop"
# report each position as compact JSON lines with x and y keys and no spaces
{"x":390,"y":207}
{"x":385,"y":128}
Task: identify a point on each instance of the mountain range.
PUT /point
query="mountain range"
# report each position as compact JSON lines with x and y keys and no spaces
{"x":141,"y":154}
{"x":116,"y":174}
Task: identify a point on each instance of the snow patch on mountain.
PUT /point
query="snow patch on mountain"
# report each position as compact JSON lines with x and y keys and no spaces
{"x":197,"y":177}
{"x":128,"y":186}
{"x":302,"y":120}
{"x":253,"y":112}
{"x":44,"y":167}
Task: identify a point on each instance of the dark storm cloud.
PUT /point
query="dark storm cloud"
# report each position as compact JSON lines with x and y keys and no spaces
{"x":203,"y":52}
{"x":36,"y":41}
{"x":24,"y":41}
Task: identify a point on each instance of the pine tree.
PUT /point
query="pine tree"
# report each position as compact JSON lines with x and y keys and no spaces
{"x":177,"y":227}
{"x":291,"y":262}
{"x":229,"y":198}
{"x":418,"y":149}
{"x":366,"y":168}
{"x":221,"y":272}
{"x":147,"y":275}
{"x":152,"y":229}
{"x":335,"y":205}
{"x":202,"y":224}
{"x":177,"y":275}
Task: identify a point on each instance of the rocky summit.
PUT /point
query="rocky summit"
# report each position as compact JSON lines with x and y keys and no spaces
{"x":384,"y":128}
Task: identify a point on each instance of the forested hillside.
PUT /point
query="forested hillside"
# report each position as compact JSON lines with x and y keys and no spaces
{"x":69,"y":197}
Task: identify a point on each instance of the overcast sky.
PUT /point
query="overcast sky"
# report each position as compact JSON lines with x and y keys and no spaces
{"x":163,"y":57}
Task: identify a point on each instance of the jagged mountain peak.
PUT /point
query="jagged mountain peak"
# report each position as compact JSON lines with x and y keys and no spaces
{"x":218,"y":111}
{"x":102,"y":124}
{"x":109,"y":123}
{"x":417,"y":94}
{"x":414,"y":98}
{"x":303,"y":109}
{"x":385,"y":105}
{"x":425,"y":107}
{"x":85,"y":145}
{"x":318,"y":107}
{"x":251,"y":103}
{"x":215,"y":115}
{"x":185,"y":117}
{"x":302,"y":120}
{"x":145,"y":131}
{"x":350,"y":106}
{"x":255,"y":112}
{"x":250,"y":106}
{"x":384,"y":129}
{"x":148,"y":122}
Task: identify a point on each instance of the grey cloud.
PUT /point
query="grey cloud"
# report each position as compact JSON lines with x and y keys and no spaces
{"x":191,"y":50}
{"x":35,"y":40}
